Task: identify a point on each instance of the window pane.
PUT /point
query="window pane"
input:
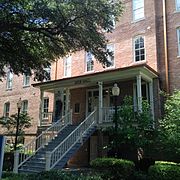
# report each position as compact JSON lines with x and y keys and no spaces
{"x":9,"y":80}
{"x":110,"y":59}
{"x":138,"y":9}
{"x":178,"y":5}
{"x":139,"y":49}
{"x":26,"y":80}
{"x":6,"y":109}
{"x":89,"y":61}
{"x":67,"y":66}
{"x":178,"y":39}
{"x":25,"y":106}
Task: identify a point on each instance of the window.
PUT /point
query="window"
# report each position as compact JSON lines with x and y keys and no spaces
{"x":24,"y":106}
{"x":89,"y":61}
{"x":47,"y":73}
{"x":9,"y":80}
{"x":67,"y":66}
{"x":6,"y":109}
{"x":139,"y":50}
{"x":77,"y":108}
{"x":26,"y":79}
{"x":178,"y":40}
{"x":177,"y":5}
{"x":110,"y":48}
{"x":138,"y":9}
{"x":45,"y":107}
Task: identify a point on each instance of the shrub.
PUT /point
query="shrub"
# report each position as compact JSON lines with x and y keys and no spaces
{"x":164,"y":171}
{"x":113,"y":168}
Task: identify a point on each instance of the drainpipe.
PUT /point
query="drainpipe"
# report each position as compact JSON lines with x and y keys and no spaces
{"x":165,"y":47}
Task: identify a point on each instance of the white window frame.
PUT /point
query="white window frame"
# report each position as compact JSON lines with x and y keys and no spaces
{"x":134,"y":48}
{"x":89,"y":64}
{"x":67,"y":66}
{"x":24,"y":106}
{"x":45,"y":108}
{"x":6,"y":109}
{"x":111,"y":47}
{"x":26,"y":80}
{"x":48,"y":70}
{"x":178,"y":5}
{"x":9,"y":80}
{"x":178,"y":40}
{"x":137,"y":10}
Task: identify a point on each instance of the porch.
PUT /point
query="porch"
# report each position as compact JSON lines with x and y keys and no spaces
{"x":83,"y":93}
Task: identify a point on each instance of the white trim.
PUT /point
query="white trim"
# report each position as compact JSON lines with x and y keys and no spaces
{"x":67,"y":66}
{"x":133,"y":10}
{"x":134,"y":55}
{"x":178,"y":40}
{"x":176,"y":4}
{"x":92,"y":70}
{"x":113,"y":47}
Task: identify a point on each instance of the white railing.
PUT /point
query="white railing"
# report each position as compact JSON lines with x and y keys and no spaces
{"x":46,"y":118}
{"x":107,"y":114}
{"x":31,"y":148}
{"x":52,"y":158}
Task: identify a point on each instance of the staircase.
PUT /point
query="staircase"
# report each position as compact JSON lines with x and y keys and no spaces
{"x":64,"y":143}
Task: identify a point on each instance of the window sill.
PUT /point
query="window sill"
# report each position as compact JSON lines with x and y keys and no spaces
{"x":9,"y":89}
{"x":138,"y":20}
{"x":89,"y":72}
{"x":176,"y":11}
{"x":26,"y":86}
{"x":108,"y":68}
{"x":178,"y":57}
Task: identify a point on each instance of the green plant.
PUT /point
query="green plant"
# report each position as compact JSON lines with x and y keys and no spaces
{"x":134,"y":127}
{"x":112,"y":168}
{"x":164,"y":171}
{"x":169,"y":128}
{"x":9,"y":123}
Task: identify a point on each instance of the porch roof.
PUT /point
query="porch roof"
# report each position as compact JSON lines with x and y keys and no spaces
{"x":108,"y":75}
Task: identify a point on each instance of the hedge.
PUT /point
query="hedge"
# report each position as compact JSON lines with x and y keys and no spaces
{"x":112,"y":168}
{"x":163,"y":170}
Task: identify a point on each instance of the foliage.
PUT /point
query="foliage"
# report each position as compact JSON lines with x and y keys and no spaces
{"x":113,"y":168}
{"x":164,"y":171}
{"x":34,"y":33}
{"x":49,"y":175}
{"x":169,"y":128}
{"x":134,"y":128}
{"x":9,"y":123}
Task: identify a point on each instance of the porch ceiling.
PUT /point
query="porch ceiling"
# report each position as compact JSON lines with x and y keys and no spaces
{"x":90,"y":79}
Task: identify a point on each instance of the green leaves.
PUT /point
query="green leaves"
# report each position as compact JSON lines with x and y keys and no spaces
{"x":40,"y":31}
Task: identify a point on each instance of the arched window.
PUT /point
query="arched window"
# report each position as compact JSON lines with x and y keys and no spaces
{"x":139,"y":49}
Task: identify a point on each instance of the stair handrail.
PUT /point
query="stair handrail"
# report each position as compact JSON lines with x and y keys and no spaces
{"x":76,"y":135}
{"x":44,"y":138}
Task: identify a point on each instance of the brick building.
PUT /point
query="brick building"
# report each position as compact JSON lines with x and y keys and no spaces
{"x":146,"y":46}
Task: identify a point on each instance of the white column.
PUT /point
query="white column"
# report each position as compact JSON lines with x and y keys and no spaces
{"x":151,"y":99}
{"x":100,"y":101}
{"x":139,"y":93}
{"x":41,"y":107}
{"x":67,"y":101}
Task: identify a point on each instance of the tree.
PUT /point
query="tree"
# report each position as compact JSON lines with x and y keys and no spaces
{"x":134,"y":128}
{"x":33,"y":33}
{"x":169,"y":128}
{"x":9,"y":123}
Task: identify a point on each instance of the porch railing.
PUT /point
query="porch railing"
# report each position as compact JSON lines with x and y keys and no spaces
{"x":107,"y":114}
{"x":52,"y":158}
{"x":31,"y":148}
{"x":46,"y":118}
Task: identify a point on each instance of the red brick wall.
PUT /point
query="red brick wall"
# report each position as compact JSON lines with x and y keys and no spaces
{"x":25,"y":93}
{"x":122,"y":38}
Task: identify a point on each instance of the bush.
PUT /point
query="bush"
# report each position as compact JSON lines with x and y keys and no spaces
{"x":164,"y":171}
{"x":49,"y":175}
{"x":112,"y":168}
